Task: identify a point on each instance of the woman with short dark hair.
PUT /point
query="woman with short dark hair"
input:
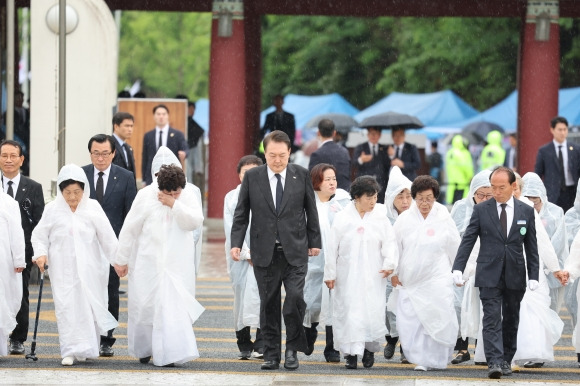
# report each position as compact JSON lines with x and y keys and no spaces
{"x":427,"y":243}
{"x":361,"y":254}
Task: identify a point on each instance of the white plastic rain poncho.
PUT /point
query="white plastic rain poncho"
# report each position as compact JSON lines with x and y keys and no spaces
{"x":573,"y":267}
{"x":463,"y":209}
{"x":79,"y":247}
{"x":11,"y":257}
{"x":357,"y":250}
{"x":246,"y":309}
{"x":157,"y":242}
{"x":397,"y":183}
{"x":427,"y":324}
{"x":553,"y":220}
{"x":572,"y":220}
{"x":316,"y":293}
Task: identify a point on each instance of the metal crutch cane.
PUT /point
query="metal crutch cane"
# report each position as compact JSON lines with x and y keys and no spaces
{"x":32,"y":354}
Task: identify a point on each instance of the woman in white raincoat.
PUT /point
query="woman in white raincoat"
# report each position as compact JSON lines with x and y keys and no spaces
{"x":157,"y":244}
{"x":479,"y":191}
{"x":76,"y":239}
{"x":11,"y":265}
{"x":427,"y":241}
{"x":242,"y":274}
{"x":553,"y":219}
{"x":397,"y":200}
{"x":572,"y":220}
{"x":360,"y":255}
{"x":573,"y":268}
{"x":329,"y":201}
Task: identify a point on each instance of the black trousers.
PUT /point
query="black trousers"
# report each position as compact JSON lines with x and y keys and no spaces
{"x":270,"y":281}
{"x":244,"y":340}
{"x":501,"y":317}
{"x":20,"y":332}
{"x":113,"y":290}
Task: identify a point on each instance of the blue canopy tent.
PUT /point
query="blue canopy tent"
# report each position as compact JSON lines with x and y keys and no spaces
{"x":201,"y":115}
{"x":569,"y":105}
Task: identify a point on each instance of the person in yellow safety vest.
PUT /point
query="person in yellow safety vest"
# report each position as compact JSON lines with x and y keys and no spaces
{"x":459,"y":168}
{"x":493,"y":153}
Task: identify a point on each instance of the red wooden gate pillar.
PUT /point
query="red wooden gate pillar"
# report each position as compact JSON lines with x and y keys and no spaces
{"x":539,"y":80}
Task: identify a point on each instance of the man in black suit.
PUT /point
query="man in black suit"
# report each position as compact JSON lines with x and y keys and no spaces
{"x":122,"y":130}
{"x":405,"y":155}
{"x":284,"y":231}
{"x":503,"y":225}
{"x":371,"y":159}
{"x":30,"y":199}
{"x":280,"y":120}
{"x":511,"y":156}
{"x":162,"y":135}
{"x":332,"y":153}
{"x":558,"y":163}
{"x":114,"y":188}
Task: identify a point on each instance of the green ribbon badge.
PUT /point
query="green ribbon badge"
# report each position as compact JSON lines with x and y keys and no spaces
{"x":523,"y":231}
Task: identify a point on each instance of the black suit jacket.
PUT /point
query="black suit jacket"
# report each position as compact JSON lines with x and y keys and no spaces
{"x":31,"y":202}
{"x":119,"y":159}
{"x":296,"y":223}
{"x":508,"y":153}
{"x":175,"y":142}
{"x":119,"y":194}
{"x":547,"y":167}
{"x":286,"y":124}
{"x":495,"y":247}
{"x":379,"y":166}
{"x":336,"y":155}
{"x":410,"y":156}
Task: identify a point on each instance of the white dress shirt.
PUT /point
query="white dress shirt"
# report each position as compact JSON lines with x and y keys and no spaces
{"x":274,"y":181}
{"x":106,"y":174}
{"x":567,"y":174}
{"x":15,"y":183}
{"x":374,"y":148}
{"x":164,"y":135}
{"x":509,"y":211}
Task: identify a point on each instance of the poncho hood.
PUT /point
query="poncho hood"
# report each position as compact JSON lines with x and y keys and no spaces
{"x":397,"y":183}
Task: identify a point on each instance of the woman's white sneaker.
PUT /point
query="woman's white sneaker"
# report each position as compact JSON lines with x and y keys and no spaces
{"x":67,"y":361}
{"x":420,"y":368}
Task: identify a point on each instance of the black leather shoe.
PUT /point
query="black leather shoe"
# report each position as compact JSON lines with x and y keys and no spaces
{"x":368,"y":359}
{"x":106,"y":351}
{"x":533,"y":365}
{"x":389,"y":351}
{"x":506,"y":368}
{"x":350,"y":362}
{"x":333,"y":357}
{"x":291,"y":360}
{"x":245,"y":355}
{"x":16,"y":347}
{"x":494,"y":371}
{"x":145,"y":360}
{"x":461,"y":357}
{"x":270,"y":365}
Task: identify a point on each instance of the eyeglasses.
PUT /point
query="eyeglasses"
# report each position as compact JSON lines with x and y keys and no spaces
{"x":104,"y":155}
{"x":13,"y":157}
{"x":427,"y":200}
{"x":482,"y":196}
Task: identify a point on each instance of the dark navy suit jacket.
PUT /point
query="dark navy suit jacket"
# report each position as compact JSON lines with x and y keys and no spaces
{"x":175,"y":142}
{"x":410,"y":156}
{"x":336,"y":155}
{"x":119,"y":159}
{"x":379,"y":166}
{"x":547,"y":167}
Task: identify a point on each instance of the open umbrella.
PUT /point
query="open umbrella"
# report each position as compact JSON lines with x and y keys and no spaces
{"x":392,"y":119}
{"x":342,"y":123}
{"x":476,"y":132}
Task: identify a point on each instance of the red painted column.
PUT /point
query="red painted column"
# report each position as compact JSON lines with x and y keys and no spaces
{"x":227,"y":105}
{"x":253,"y":75}
{"x":539,"y":82}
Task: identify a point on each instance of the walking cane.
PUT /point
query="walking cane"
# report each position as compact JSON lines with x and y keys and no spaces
{"x":32,"y":354}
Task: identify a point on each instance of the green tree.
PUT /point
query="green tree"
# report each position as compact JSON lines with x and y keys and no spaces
{"x":168,"y":51}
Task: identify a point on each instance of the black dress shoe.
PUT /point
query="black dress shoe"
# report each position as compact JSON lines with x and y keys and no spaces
{"x":461,"y":357}
{"x":16,"y":347}
{"x":291,"y":360}
{"x":350,"y":362}
{"x":245,"y":355}
{"x":270,"y":365}
{"x":368,"y":359}
{"x":105,"y":350}
{"x":533,"y":365}
{"x":494,"y":371}
{"x":389,"y":350}
{"x":333,"y":356}
{"x":145,"y":360}
{"x":506,"y":368}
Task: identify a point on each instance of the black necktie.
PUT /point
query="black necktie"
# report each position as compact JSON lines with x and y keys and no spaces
{"x":279,"y":192}
{"x":100,"y":188}
{"x":562,"y":171}
{"x":160,"y":139}
{"x":503,"y":219}
{"x":10,"y":191}
{"x":128,"y":157}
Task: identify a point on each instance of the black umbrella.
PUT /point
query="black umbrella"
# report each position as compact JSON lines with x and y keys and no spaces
{"x":392,"y":119}
{"x":342,"y":123}
{"x":476,"y":132}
